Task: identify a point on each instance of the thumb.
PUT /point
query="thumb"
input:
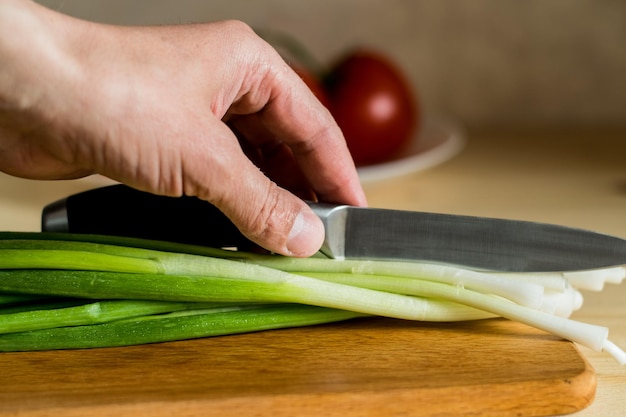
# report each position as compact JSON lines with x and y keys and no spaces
{"x":274,"y":218}
{"x":265,"y":213}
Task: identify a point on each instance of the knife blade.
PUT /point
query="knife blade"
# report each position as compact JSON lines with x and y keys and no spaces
{"x":351,"y":232}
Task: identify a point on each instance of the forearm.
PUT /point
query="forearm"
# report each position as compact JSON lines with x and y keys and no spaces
{"x":39,"y":77}
{"x":29,"y":53}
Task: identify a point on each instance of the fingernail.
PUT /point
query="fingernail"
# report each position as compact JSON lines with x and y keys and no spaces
{"x":306,"y":235}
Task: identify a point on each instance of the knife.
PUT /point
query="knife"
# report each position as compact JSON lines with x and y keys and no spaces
{"x":351,"y":232}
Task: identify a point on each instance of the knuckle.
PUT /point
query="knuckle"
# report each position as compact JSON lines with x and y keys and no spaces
{"x":237,"y":28}
{"x":241,"y":34}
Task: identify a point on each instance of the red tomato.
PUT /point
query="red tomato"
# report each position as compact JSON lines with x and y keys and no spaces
{"x":374,"y":106}
{"x":313,"y":83}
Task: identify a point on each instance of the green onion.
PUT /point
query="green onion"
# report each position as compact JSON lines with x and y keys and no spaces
{"x":61,"y":314}
{"x":595,"y":280}
{"x":270,"y":286}
{"x":110,"y":268}
{"x":86,"y":256}
{"x":174,"y":326}
{"x":588,"y":335}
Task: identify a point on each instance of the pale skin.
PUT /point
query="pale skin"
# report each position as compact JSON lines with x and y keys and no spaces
{"x":170,"y":110}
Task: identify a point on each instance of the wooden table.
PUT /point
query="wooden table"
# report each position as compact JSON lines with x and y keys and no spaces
{"x":570,"y":177}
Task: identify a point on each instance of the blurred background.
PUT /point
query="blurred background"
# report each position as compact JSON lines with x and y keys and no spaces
{"x":480,"y":62}
{"x":538,"y":88}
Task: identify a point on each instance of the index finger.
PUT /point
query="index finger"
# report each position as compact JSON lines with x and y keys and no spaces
{"x":295,"y":117}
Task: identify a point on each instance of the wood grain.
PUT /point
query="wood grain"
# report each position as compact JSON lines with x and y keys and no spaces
{"x":365,"y":367}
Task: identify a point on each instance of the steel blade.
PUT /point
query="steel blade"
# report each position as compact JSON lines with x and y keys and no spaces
{"x":478,"y":242}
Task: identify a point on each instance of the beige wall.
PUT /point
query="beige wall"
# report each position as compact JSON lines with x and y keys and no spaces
{"x":480,"y":61}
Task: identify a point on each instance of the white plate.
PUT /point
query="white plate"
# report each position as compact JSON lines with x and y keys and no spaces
{"x":437,"y":141}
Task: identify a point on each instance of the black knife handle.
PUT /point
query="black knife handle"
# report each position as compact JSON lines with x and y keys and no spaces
{"x":123,"y":211}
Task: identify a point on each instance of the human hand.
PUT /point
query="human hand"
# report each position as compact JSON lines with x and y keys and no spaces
{"x":170,"y":110}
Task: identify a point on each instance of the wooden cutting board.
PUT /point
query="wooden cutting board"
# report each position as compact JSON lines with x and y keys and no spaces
{"x":365,"y":367}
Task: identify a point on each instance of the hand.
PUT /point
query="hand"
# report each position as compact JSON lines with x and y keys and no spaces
{"x":206,"y":110}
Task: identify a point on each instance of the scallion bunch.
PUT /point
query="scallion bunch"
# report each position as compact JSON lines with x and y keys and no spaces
{"x":64,"y":291}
